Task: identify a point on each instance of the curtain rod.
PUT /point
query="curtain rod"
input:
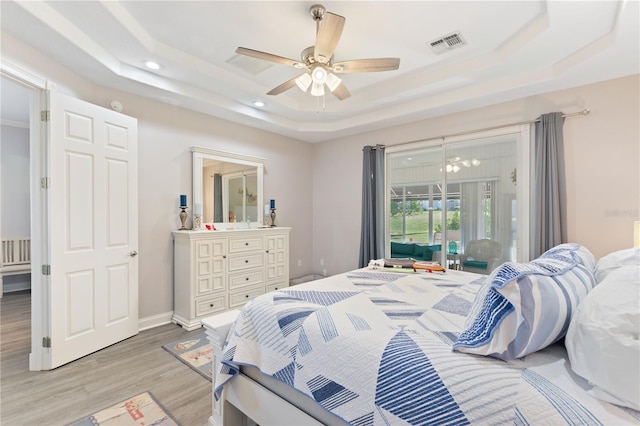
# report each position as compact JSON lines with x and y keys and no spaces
{"x":584,"y":111}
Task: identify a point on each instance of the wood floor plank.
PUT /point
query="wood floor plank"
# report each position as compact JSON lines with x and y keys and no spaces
{"x":96,"y":381}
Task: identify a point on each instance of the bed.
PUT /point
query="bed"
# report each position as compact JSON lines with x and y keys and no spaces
{"x":374,"y":346}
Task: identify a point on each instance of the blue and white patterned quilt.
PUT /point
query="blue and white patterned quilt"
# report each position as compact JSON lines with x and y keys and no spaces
{"x":374,"y":348}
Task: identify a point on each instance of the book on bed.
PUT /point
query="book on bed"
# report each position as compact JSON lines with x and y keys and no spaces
{"x":399,"y":262}
{"x":415,"y":265}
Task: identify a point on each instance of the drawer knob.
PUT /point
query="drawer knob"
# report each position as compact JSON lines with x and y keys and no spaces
{"x":247,"y":279}
{"x":211,"y":305}
{"x":246,"y":295}
{"x":267,"y":251}
{"x":246,"y":261}
{"x":246,"y":244}
{"x":224,"y":257}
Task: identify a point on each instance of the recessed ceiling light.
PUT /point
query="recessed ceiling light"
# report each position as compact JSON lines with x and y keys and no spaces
{"x":258,"y":104}
{"x":152,"y":65}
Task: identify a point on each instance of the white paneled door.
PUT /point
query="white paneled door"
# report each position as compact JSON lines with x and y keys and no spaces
{"x":93,"y":222}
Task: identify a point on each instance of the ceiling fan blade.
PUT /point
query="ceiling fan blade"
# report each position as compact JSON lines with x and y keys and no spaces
{"x":329,"y":32}
{"x":283,"y":87}
{"x":366,"y":65}
{"x":269,"y":57}
{"x":341,"y":92}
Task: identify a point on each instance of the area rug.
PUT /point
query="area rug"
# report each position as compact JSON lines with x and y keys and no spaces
{"x":141,"y":409}
{"x":195,"y":351}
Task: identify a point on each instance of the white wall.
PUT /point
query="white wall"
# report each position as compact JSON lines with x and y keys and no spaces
{"x":14,"y":192}
{"x":14,"y":155}
{"x":602,"y":167}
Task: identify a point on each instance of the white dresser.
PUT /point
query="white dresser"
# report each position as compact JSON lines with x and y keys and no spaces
{"x":215,"y":271}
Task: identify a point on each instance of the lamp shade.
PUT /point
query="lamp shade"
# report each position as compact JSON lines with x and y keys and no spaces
{"x":303,"y":82}
{"x":317,"y":89}
{"x":319,"y":75}
{"x":333,"y":82}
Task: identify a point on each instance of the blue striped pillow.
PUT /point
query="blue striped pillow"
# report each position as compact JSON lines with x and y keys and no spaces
{"x":524,"y":307}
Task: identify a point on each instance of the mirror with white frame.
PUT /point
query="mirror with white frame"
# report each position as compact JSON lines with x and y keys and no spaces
{"x":227,"y":187}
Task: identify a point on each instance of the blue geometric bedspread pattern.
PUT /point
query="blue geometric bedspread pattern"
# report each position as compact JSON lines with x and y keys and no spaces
{"x":374,"y":348}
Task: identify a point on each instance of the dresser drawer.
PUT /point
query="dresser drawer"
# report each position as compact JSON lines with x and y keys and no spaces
{"x":246,"y":278}
{"x":210,"y":305}
{"x":244,"y":261}
{"x":276,"y":286}
{"x":239,"y":245}
{"x":240,"y":298}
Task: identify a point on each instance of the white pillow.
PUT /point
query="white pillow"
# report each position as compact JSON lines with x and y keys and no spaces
{"x":524,"y":307}
{"x":603,"y":340}
{"x":616,"y":259}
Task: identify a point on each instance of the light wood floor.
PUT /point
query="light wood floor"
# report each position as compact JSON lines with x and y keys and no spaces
{"x":70,"y":392}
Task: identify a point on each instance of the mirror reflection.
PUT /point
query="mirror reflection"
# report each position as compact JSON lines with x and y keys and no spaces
{"x":227,"y":187}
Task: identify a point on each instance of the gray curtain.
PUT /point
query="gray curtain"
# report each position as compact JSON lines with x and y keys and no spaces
{"x":217,"y":198}
{"x":549,"y":222}
{"x":372,"y":231}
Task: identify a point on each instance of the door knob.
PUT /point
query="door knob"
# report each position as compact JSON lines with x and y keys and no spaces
{"x":133,"y":253}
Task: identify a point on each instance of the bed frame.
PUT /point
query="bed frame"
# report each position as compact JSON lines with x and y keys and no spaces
{"x":245,"y":401}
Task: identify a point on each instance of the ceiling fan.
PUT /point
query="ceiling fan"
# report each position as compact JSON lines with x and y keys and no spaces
{"x":318,"y":60}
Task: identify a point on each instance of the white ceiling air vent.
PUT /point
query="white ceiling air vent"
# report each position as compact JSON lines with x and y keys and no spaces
{"x":447,"y":42}
{"x":250,"y":65}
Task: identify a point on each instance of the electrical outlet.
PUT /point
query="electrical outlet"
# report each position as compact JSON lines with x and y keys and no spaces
{"x":299,"y":262}
{"x":324,"y":272}
{"x":321,"y":262}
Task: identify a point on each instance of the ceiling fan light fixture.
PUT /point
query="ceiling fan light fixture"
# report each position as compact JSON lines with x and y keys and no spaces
{"x":303,"y":82}
{"x":317,"y":89}
{"x":319,"y":75}
{"x":333,"y":82}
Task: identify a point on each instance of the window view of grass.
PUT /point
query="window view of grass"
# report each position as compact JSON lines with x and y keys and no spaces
{"x":417,"y":224}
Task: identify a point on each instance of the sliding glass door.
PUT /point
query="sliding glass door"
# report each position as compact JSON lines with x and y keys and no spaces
{"x":455,"y":193}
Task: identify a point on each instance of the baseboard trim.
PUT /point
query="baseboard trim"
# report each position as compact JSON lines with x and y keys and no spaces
{"x":154,"y":321}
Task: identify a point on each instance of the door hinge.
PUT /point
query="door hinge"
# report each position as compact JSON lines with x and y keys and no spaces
{"x":44,"y":115}
{"x":46,"y":342}
{"x":45,"y":182}
{"x":46,"y":269}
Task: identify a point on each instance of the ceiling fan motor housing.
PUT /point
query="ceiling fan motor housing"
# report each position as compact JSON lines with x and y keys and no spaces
{"x":317,"y":12}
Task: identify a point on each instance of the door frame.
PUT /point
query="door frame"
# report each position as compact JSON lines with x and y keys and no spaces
{"x":38,"y":140}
